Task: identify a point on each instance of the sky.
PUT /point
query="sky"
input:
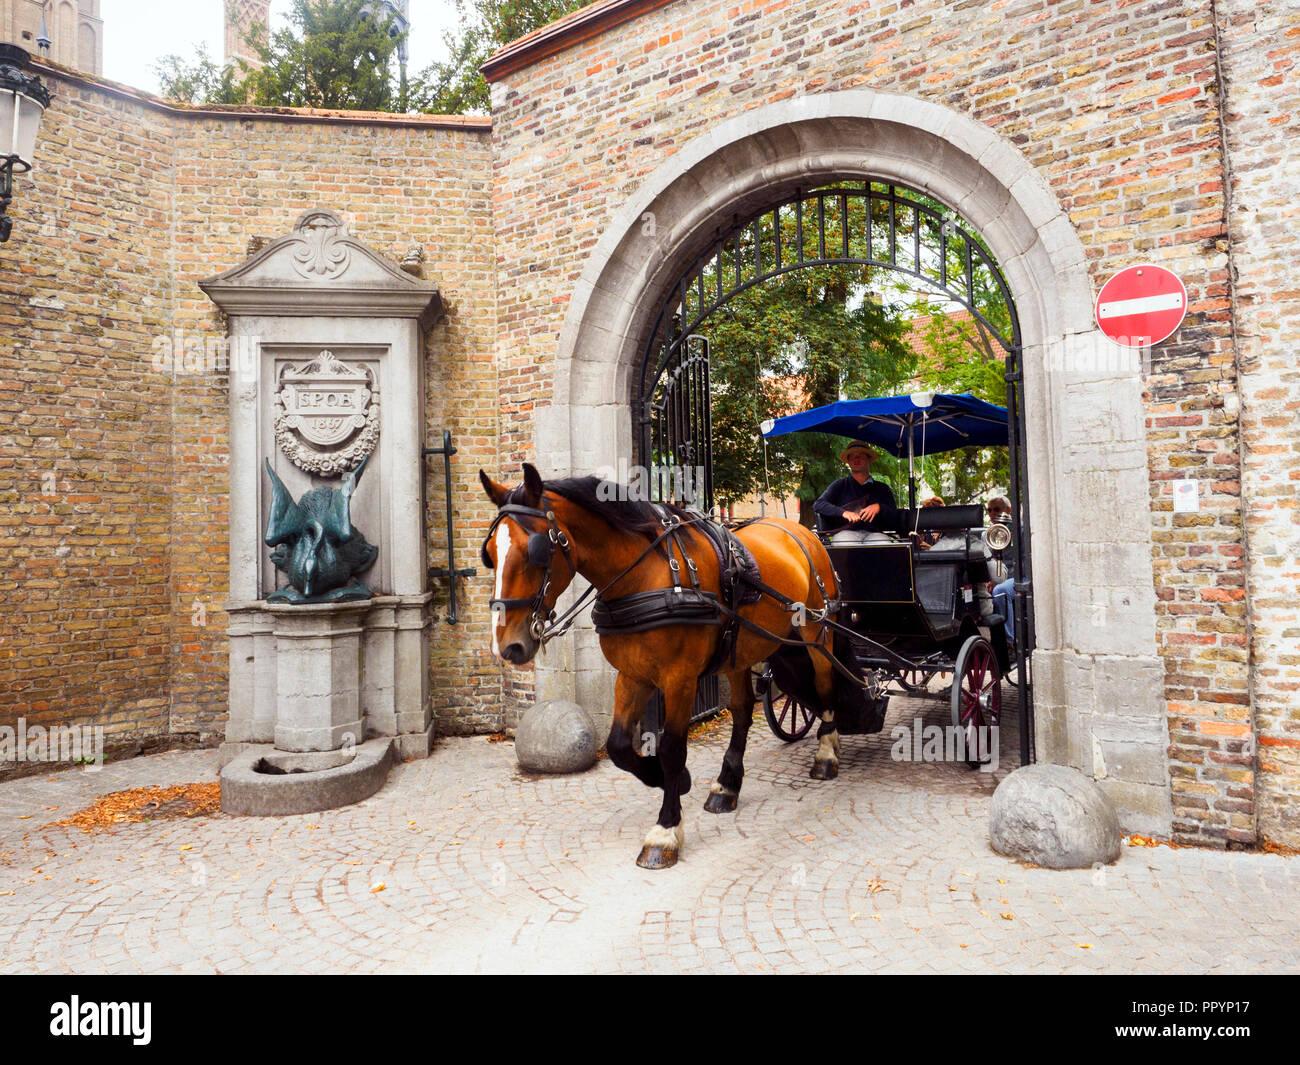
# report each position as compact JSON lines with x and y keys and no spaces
{"x":137,"y":33}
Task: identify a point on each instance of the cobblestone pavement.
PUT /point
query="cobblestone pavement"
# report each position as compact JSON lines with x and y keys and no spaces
{"x":485,"y":869}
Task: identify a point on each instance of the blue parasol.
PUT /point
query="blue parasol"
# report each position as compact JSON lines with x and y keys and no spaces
{"x":923,"y":423}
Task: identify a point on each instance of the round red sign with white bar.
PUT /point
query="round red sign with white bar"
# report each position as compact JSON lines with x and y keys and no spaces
{"x":1141,"y":306}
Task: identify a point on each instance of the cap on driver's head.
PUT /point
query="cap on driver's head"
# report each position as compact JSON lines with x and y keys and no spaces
{"x":857,"y":445}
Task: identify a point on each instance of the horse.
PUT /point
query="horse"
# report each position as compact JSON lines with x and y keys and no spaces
{"x":547,"y":533}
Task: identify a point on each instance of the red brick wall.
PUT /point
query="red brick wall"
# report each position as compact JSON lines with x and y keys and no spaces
{"x":1261,"y":76}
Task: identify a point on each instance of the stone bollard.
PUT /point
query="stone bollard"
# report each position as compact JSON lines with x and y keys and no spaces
{"x":1055,"y":817}
{"x":556,"y":736}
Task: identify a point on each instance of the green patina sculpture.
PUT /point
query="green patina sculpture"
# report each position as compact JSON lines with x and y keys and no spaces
{"x":315,"y":544}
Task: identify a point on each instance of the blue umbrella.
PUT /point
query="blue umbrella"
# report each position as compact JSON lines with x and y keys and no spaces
{"x":923,"y":423}
{"x":906,"y":425}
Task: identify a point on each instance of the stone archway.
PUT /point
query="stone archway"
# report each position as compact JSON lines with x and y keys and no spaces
{"x":1099,"y":695}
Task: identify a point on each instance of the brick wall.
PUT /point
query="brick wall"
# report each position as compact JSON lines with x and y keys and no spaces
{"x":113,"y":480}
{"x":1261,"y":60}
{"x":1117,"y":107}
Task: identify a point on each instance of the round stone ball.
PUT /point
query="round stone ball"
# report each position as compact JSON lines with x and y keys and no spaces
{"x":556,"y":736}
{"x":1053,"y":816}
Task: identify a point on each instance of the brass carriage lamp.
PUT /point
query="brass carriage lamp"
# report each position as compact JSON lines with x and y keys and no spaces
{"x":23,"y":99}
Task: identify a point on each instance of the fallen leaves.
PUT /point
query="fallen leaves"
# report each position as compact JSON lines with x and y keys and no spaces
{"x":376,"y":888}
{"x":145,"y":804}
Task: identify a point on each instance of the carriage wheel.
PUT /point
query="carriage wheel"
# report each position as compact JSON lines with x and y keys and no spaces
{"x":786,"y":716}
{"x":976,"y":696}
{"x":915,"y":681}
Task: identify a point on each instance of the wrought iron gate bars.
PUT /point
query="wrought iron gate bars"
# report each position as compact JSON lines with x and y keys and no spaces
{"x":688,"y":304}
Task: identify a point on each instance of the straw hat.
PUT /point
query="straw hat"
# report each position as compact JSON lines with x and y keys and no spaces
{"x":857,"y":445}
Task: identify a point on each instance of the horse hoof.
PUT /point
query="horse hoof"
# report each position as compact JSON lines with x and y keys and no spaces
{"x":657,"y":857}
{"x":824,"y":770}
{"x":720,"y":802}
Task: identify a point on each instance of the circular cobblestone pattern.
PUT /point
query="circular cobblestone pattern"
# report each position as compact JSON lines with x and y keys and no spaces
{"x":464,"y":864}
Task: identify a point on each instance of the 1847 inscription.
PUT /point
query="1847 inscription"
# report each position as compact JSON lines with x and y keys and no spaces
{"x":326,"y":415}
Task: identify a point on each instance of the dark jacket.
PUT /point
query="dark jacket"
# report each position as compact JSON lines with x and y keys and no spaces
{"x":847,"y":494}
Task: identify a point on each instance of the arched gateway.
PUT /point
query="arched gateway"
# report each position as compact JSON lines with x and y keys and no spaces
{"x":1097,"y":675}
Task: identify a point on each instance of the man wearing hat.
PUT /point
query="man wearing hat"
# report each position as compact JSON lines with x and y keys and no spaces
{"x":866,"y":505}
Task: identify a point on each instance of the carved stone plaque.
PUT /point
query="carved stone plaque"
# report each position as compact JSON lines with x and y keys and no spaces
{"x":326,"y":415}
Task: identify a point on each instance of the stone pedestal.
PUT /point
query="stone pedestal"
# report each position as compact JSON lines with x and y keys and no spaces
{"x":318,"y":676}
{"x":303,"y":676}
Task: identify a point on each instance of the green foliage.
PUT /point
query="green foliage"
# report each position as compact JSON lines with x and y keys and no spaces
{"x":798,"y":341}
{"x":338,"y":58}
{"x":958,"y":361}
{"x":203,"y":81}
{"x":455,"y":86}
{"x":337,"y":55}
{"x":821,"y":333}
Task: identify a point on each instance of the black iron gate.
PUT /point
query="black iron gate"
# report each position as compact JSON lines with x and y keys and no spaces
{"x":870,"y":224}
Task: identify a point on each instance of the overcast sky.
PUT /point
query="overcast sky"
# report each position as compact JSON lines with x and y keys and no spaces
{"x":137,"y":33}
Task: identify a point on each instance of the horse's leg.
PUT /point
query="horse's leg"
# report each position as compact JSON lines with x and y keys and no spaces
{"x":725,"y":791}
{"x":624,"y":743}
{"x":664,"y":842}
{"x":826,"y":762}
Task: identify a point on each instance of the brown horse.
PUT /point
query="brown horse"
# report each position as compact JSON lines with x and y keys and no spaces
{"x":546,"y":533}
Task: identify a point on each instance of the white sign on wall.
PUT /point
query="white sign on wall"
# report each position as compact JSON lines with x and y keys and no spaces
{"x":1187,"y":497}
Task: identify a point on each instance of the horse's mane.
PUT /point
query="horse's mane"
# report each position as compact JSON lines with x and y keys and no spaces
{"x":609,"y":501}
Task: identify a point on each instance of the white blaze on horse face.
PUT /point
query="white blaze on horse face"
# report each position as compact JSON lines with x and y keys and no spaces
{"x":499,"y":616}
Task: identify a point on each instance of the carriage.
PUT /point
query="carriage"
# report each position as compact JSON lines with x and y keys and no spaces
{"x":918,"y":605}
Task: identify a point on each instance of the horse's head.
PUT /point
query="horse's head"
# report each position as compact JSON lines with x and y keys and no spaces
{"x":529,"y":550}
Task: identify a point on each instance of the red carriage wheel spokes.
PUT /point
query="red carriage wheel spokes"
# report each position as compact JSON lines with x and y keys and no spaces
{"x":914,"y":681}
{"x":976,"y":695}
{"x":787,"y":717}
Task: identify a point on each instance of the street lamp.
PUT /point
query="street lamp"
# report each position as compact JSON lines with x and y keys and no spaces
{"x":23,"y":99}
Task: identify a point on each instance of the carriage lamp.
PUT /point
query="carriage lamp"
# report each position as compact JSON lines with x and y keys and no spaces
{"x":23,"y":99}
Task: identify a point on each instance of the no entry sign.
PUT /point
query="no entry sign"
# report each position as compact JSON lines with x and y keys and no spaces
{"x":1141,"y":306}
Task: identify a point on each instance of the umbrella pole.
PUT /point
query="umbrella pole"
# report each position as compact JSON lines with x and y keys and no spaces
{"x":911,"y":474}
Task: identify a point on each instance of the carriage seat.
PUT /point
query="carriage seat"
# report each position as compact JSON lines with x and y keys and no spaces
{"x":939,"y":519}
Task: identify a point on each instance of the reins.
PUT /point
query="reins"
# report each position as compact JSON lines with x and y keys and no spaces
{"x":544,"y":625}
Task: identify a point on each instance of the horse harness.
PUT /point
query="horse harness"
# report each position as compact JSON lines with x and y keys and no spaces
{"x":541,"y":554}
{"x":739,"y":582}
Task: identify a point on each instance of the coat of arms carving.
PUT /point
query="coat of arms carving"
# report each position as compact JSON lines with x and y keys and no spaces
{"x":326,"y":415}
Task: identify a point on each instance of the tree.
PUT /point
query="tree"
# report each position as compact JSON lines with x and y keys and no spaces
{"x":456,"y":86}
{"x":200,"y":82}
{"x":802,"y":340}
{"x":337,"y":56}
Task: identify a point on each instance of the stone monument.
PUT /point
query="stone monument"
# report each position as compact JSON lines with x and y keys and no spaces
{"x":328,"y":672}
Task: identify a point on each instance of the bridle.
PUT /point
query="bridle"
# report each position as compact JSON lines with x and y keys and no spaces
{"x":541,"y":554}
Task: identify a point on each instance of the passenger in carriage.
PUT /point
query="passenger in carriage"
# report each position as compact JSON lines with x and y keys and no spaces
{"x":867,"y":505}
{"x":927,"y":540}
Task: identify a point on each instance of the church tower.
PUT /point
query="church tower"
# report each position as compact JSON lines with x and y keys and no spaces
{"x":240,"y":17}
{"x":69,"y":32}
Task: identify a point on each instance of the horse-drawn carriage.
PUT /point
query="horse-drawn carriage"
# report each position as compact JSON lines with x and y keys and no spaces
{"x":679,"y":597}
{"x":918,"y":605}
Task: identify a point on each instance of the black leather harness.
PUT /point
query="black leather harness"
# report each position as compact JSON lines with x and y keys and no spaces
{"x":740,"y":585}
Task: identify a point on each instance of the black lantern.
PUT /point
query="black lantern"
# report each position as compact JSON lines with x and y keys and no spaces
{"x":23,"y":99}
